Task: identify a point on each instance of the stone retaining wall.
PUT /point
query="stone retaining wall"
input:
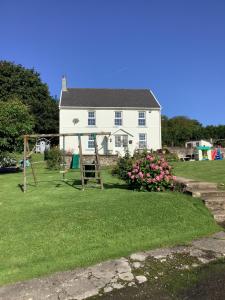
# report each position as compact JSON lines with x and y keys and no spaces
{"x":183,"y":152}
{"x":105,"y":160}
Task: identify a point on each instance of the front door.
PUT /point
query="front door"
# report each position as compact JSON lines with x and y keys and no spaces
{"x":121,"y":143}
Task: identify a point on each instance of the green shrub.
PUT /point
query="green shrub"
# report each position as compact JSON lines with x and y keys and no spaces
{"x":53,"y":158}
{"x":123,"y":166}
{"x":7,"y":160}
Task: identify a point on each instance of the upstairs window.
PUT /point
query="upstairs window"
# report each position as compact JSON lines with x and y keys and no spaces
{"x":91,"y":141}
{"x":91,"y":118}
{"x":141,"y":118}
{"x":118,"y":118}
{"x":142,"y":141}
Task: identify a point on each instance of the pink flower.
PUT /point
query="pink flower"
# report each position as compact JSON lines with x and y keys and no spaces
{"x":152,"y":166}
{"x":132,"y":177}
{"x":140,"y":174}
{"x":157,"y":178}
{"x":129,"y":174}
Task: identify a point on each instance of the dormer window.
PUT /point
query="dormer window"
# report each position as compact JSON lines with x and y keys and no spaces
{"x":91,"y":118}
{"x":118,"y":118}
{"x":141,"y":118}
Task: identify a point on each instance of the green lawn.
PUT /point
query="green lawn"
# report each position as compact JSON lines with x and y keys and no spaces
{"x":202,"y":170}
{"x":56,"y":226}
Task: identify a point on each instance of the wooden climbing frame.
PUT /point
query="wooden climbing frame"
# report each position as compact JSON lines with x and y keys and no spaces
{"x":28,"y":154}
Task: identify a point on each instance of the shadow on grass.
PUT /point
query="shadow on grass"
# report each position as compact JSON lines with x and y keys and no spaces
{"x":116,"y":186}
{"x":76,"y":184}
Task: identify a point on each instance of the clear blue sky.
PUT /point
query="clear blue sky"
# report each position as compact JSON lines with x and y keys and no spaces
{"x":174,"y":47}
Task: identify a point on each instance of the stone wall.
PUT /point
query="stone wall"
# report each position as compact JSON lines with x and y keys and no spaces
{"x":183,"y":152}
{"x":105,"y":160}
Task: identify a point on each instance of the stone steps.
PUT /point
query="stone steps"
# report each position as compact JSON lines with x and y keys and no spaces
{"x":215,"y":204}
{"x":210,"y":193}
{"x":219,"y":215}
{"x":213,"y":198}
{"x":190,"y":184}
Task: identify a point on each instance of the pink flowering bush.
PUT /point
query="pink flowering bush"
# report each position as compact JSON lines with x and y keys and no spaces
{"x":151,"y":173}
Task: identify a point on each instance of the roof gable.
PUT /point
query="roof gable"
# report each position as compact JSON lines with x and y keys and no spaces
{"x":108,"y":98}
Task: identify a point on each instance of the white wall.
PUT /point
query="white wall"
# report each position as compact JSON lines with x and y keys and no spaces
{"x":105,"y":122}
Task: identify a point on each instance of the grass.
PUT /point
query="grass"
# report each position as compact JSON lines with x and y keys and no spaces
{"x":56,"y":226}
{"x":202,"y":170}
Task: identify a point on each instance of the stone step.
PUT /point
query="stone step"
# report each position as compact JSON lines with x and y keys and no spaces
{"x":214,"y":198}
{"x":197,"y":185}
{"x":207,"y":193}
{"x":190,"y":184}
{"x":215,"y":203}
{"x":219,"y":217}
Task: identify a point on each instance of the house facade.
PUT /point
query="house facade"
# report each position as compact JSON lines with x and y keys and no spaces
{"x":132,"y":117}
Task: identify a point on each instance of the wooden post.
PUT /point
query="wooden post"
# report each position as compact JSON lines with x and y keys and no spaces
{"x":24,"y":163}
{"x":31,"y":164}
{"x":81,"y":162}
{"x":98,"y":164}
{"x":64,"y":160}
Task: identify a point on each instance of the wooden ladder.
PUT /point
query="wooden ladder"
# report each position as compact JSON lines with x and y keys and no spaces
{"x":96,"y":163}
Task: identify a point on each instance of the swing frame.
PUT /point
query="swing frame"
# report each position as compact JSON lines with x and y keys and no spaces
{"x":28,"y":154}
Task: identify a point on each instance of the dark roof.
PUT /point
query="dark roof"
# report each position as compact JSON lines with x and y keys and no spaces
{"x":108,"y":98}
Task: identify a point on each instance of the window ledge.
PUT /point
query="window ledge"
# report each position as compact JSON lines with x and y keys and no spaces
{"x":91,"y":126}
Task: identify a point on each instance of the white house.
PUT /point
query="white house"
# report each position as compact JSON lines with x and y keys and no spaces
{"x":132,"y":116}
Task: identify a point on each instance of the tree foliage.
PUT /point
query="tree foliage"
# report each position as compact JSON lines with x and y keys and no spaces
{"x":15,"y":120}
{"x":26,"y":84}
{"x":180,"y":129}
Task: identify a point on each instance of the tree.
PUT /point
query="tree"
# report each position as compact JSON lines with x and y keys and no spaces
{"x":177,"y":130}
{"x":15,"y":120}
{"x":26,"y":84}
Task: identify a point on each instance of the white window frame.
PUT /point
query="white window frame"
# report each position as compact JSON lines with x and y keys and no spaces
{"x":121,"y":140}
{"x":91,"y":141}
{"x":91,"y":119}
{"x":142,"y":119}
{"x":142,"y":140}
{"x":118,"y":121}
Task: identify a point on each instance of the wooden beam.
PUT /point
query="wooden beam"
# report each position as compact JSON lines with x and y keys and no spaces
{"x":65,"y":134}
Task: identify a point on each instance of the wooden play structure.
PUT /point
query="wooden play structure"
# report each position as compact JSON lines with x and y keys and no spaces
{"x":86,"y":169}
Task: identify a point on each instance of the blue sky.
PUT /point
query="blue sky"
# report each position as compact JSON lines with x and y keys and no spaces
{"x":176,"y":48}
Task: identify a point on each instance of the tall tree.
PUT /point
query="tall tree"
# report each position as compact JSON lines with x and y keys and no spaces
{"x":26,"y":84}
{"x":15,"y":120}
{"x":176,"y":131}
